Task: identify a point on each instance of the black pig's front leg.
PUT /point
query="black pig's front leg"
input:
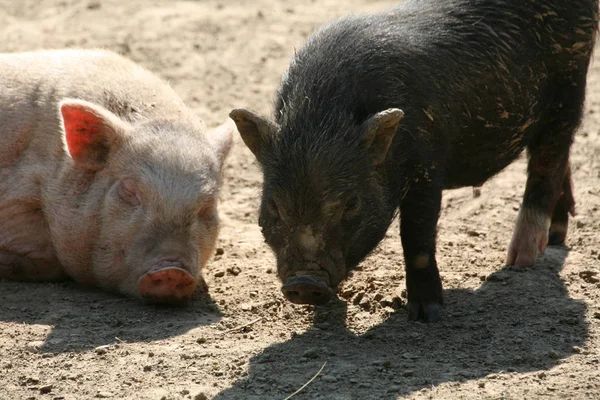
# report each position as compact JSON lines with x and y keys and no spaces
{"x":419,"y":213}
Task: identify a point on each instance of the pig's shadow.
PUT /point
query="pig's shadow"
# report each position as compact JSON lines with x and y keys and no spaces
{"x":84,"y":318}
{"x":520,"y":319}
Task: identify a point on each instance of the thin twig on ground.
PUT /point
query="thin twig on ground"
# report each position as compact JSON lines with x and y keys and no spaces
{"x":307,"y":383}
{"x":237,"y":328}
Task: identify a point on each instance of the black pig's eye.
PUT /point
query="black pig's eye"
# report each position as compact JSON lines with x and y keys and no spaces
{"x":207,"y":210}
{"x":352,"y":206}
{"x":272,"y":207}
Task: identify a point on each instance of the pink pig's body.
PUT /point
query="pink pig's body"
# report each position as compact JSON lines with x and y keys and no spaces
{"x":105,"y":175}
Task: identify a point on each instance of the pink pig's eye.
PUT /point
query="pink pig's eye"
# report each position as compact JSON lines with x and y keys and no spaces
{"x":129,"y":193}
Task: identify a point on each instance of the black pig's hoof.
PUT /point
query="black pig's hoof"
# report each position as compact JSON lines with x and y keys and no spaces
{"x":556,"y":238}
{"x":558,"y":234}
{"x":425,"y":311}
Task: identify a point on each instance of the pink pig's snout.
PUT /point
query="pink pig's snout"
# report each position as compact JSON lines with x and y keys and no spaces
{"x":167,"y":281}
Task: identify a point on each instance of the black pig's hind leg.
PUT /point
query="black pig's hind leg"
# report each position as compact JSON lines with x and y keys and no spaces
{"x":560,"y":215}
{"x":548,"y":199}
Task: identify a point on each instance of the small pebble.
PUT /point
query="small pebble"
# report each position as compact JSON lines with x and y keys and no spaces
{"x":589,"y":276}
{"x":101,"y":349}
{"x":347,"y":293}
{"x":553,"y":354}
{"x":359,"y":296}
{"x":388,"y":301}
{"x":55,"y":341}
{"x":365,"y":303}
{"x":235,"y":270}
{"x":104,"y":395}
{"x":94,"y":5}
{"x":46,"y":389}
{"x":34,"y":346}
{"x":311,"y":353}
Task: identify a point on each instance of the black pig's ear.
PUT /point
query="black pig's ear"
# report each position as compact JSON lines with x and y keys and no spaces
{"x":379,"y":130}
{"x":254,"y":129}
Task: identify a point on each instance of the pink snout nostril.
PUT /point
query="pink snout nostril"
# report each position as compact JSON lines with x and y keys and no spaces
{"x":167,"y":284}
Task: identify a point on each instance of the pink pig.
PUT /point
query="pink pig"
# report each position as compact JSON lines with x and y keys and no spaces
{"x":105,"y":176}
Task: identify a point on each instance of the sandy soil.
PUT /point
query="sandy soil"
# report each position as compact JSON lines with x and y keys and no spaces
{"x":507,"y":333}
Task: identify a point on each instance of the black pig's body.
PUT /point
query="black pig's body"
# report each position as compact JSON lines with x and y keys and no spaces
{"x":478,"y":81}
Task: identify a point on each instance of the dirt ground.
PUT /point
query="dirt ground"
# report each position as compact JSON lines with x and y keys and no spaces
{"x":507,"y":333}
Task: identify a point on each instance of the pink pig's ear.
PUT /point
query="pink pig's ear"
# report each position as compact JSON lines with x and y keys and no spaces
{"x":91,"y":132}
{"x":221,"y":139}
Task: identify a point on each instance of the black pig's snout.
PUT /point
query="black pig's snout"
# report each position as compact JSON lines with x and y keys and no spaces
{"x":306,"y":290}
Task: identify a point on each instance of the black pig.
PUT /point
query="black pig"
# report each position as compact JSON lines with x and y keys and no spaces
{"x":379,"y":113}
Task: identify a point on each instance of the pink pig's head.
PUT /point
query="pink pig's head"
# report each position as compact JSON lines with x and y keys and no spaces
{"x":139,"y":215}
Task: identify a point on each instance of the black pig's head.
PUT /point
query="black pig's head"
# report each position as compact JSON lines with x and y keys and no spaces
{"x":324,"y":207}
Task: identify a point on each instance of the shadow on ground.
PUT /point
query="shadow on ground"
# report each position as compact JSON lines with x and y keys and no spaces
{"x":519,"y":320}
{"x":85,"y":318}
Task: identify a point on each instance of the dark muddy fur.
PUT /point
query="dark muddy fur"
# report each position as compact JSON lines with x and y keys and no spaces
{"x":478,"y":81}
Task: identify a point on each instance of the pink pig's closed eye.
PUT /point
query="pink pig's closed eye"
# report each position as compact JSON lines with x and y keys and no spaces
{"x":129,"y":192}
